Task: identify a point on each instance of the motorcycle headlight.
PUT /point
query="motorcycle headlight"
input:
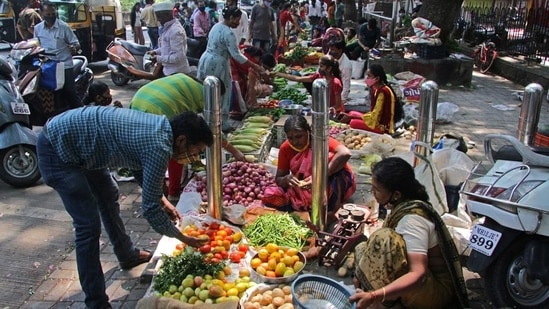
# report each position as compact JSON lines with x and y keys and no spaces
{"x":19,"y":54}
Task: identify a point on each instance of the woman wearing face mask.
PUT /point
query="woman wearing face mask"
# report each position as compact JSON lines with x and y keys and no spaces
{"x":215,"y":61}
{"x":423,"y":268}
{"x":328,"y":68}
{"x":384,"y":111}
{"x":293,"y":175}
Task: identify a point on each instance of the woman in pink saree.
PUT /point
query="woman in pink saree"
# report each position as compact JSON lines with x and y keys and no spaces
{"x":293,"y":176}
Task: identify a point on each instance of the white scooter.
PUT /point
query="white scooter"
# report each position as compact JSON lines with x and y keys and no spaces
{"x":510,"y":249}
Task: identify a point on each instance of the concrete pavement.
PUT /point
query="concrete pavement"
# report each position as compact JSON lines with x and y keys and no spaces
{"x":38,"y":261}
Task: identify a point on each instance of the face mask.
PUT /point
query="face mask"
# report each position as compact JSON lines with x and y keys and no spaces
{"x":370,"y":81}
{"x":202,"y":9}
{"x":302,"y":149}
{"x":322,"y":72}
{"x":50,"y":20}
{"x":267,"y":3}
{"x":401,"y":15}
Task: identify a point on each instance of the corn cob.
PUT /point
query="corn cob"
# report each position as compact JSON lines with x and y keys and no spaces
{"x":263,"y":119}
{"x":245,"y":149}
{"x":256,"y":125}
{"x":251,"y":131}
{"x":245,"y":143}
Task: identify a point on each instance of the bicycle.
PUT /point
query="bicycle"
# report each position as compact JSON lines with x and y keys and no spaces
{"x":484,"y":56}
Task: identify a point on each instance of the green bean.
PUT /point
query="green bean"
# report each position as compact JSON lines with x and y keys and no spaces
{"x":282,"y":229}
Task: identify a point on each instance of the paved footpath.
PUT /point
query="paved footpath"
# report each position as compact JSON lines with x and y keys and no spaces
{"x":36,"y":246}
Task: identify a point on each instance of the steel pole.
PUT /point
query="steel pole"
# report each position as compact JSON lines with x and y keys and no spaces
{"x":212,"y":114}
{"x":529,"y":113}
{"x":428,"y":100}
{"x":320,"y":121}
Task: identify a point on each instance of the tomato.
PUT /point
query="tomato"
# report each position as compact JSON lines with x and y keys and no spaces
{"x":218,"y":249}
{"x":213,"y":243}
{"x":229,"y":238}
{"x":215,"y":261}
{"x":214,"y":226}
{"x":235,"y":257}
{"x":229,"y":231}
{"x":205,"y":249}
{"x":243,"y":247}
{"x":221,"y":233}
{"x":218,"y":256}
{"x":180,"y":246}
{"x":224,"y":254}
{"x":218,"y":237}
{"x":227,"y":244}
{"x":237,"y":237}
{"x":242,"y":254}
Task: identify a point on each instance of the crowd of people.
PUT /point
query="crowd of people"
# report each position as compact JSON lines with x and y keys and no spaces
{"x":163,"y":129}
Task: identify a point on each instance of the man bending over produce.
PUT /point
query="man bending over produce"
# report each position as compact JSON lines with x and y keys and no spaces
{"x":75,"y":150}
{"x":169,"y":96}
{"x":293,"y":175}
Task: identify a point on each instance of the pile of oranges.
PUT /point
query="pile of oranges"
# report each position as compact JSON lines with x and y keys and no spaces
{"x":273,"y":261}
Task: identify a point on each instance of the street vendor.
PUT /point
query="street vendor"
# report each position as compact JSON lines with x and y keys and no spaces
{"x":328,"y":68}
{"x":170,"y":96}
{"x":75,"y":150}
{"x":293,"y":175}
{"x":252,"y":85}
{"x":412,"y":261}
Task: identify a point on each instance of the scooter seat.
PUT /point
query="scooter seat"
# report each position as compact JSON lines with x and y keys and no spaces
{"x":77,"y":66}
{"x":133,"y":48}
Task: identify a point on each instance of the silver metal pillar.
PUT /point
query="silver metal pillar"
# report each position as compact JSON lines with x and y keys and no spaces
{"x":212,"y":115}
{"x":428,"y":100}
{"x":320,"y":119}
{"x":529,"y":113}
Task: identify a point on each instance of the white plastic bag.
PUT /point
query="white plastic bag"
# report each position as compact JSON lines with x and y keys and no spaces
{"x":357,"y":68}
{"x":446,"y":112}
{"x":427,"y":175}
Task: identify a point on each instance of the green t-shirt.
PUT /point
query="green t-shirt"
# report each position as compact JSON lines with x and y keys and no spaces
{"x":170,"y":96}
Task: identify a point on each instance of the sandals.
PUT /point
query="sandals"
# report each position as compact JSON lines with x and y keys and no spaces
{"x":131,"y":264}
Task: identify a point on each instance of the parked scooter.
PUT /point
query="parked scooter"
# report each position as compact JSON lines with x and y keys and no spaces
{"x":19,"y":162}
{"x":29,"y":58}
{"x":129,"y":61}
{"x":510,"y":249}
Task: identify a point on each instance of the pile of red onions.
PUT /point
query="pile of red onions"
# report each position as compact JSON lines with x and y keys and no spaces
{"x":242,"y":183}
{"x":334,"y":130}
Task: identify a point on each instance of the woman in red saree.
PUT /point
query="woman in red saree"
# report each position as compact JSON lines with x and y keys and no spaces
{"x":293,"y":176}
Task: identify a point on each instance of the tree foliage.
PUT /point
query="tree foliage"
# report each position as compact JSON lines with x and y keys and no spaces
{"x":127,"y":5}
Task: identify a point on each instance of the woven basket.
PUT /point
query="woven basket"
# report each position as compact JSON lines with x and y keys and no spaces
{"x":312,"y":291}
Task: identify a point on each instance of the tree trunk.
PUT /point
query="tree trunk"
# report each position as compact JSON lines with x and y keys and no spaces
{"x":443,"y":13}
{"x":350,"y":11}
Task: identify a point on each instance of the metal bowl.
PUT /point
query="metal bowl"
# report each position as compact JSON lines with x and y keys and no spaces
{"x":285,"y":103}
{"x":278,"y":280}
{"x":294,"y":109}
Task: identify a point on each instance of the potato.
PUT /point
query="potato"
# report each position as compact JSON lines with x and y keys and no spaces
{"x":278,"y":301}
{"x":286,"y":306}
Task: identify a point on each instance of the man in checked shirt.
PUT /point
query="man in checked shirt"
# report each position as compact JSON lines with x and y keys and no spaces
{"x":75,"y":150}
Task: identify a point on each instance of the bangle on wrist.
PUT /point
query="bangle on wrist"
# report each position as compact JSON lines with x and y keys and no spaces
{"x":383,"y":298}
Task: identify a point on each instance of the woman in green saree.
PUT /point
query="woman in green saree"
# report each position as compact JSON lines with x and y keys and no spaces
{"x":411,"y":262}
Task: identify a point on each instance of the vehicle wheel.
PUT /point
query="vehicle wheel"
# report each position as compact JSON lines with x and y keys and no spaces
{"x":507,"y":283}
{"x":19,"y":171}
{"x":119,"y":80}
{"x":485,"y":66}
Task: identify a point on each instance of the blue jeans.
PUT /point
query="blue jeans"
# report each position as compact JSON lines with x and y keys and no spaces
{"x":90,"y":197}
{"x":153,"y":36}
{"x":263,"y":44}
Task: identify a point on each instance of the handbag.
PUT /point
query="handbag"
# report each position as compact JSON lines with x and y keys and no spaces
{"x":53,"y":75}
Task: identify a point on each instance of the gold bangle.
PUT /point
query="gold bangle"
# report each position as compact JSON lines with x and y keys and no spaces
{"x":383,"y":299}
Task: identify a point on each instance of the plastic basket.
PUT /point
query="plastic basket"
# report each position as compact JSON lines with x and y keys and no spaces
{"x":312,"y":291}
{"x":425,"y":51}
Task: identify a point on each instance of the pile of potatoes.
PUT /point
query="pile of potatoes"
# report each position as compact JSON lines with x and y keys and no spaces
{"x":269,"y":297}
{"x":354,"y":140}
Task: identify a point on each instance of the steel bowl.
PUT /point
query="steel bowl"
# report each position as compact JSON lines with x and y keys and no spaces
{"x":294,"y":109}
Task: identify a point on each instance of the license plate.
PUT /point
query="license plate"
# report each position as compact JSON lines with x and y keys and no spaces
{"x":484,"y":240}
{"x":20,"y":108}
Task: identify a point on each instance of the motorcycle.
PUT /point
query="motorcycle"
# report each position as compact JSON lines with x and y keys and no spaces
{"x":29,"y":58}
{"x":19,"y":161}
{"x":511,"y":247}
{"x":129,"y":61}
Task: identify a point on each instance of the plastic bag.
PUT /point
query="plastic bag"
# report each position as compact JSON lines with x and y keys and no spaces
{"x":446,"y":112}
{"x":411,"y":114}
{"x":357,"y":68}
{"x":380,"y":144}
{"x":426,"y":173}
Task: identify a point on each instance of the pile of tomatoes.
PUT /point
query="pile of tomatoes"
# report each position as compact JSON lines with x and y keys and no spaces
{"x":222,"y":238}
{"x":269,"y":104}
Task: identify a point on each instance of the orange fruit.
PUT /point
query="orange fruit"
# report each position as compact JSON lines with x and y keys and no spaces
{"x":263,"y":254}
{"x":270,"y":274}
{"x":275,"y":255}
{"x":271,"y":247}
{"x":271,"y":265}
{"x":292,"y":251}
{"x":280,"y":269}
{"x":255,"y":262}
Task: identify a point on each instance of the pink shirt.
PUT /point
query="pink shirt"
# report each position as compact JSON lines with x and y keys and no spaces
{"x":201,"y":24}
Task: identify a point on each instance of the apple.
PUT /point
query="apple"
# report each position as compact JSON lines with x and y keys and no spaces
{"x":188,"y":282}
{"x":198,"y":281}
{"x":188,"y":292}
{"x":203,"y":295}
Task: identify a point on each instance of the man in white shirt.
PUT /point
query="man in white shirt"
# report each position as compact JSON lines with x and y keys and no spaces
{"x":241,"y":32}
{"x":337,"y":50}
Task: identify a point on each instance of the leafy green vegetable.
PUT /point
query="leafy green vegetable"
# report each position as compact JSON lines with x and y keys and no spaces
{"x":297,"y":53}
{"x":275,"y":113}
{"x":281,"y":68}
{"x":290,"y":93}
{"x":281,"y":229}
{"x":176,"y":268}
